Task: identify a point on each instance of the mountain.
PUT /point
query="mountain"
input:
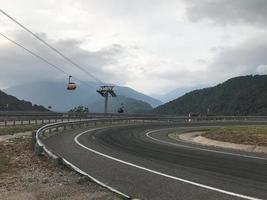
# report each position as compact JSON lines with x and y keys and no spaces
{"x":54,"y":94}
{"x":130,"y":105}
{"x":11,"y":103}
{"x":176,"y":93}
{"x":244,"y":95}
{"x":129,"y":92}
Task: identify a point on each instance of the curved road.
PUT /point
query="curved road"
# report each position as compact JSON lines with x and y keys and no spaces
{"x":140,"y":161}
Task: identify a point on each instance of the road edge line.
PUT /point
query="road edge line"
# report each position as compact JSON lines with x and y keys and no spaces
{"x":78,"y":170}
{"x":75,"y":168}
{"x":198,"y":148}
{"x":160,"y":173}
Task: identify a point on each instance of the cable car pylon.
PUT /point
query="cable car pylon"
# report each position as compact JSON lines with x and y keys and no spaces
{"x":105,"y":91}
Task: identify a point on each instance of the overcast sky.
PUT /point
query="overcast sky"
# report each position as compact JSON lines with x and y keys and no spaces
{"x":153,"y":46}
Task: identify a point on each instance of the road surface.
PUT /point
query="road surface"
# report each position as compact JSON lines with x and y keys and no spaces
{"x":140,"y":161}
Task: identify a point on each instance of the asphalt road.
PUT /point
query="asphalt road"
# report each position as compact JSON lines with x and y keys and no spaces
{"x":140,"y":161}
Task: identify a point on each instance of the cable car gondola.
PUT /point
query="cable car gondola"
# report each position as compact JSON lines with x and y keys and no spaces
{"x":71,"y":85}
{"x":121,"y":109}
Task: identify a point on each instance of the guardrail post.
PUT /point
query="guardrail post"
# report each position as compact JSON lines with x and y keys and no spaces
{"x":57,"y":161}
{"x":33,"y":139}
{"x":35,"y":121}
{"x":29,"y":121}
{"x":14,"y":122}
{"x":5,"y":122}
{"x":42,"y":121}
{"x":21,"y":122}
{"x":38,"y":150}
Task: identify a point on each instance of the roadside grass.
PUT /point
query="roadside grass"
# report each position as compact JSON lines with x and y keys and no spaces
{"x":10,"y":130}
{"x":251,"y":135}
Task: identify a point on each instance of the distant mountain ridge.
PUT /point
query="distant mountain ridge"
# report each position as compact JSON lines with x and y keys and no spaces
{"x":130,"y":105}
{"x":176,"y":93}
{"x":54,"y":94}
{"x":11,"y":103}
{"x":244,"y":95}
{"x":131,"y":93}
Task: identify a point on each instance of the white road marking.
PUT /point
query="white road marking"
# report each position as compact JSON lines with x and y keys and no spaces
{"x":75,"y":167}
{"x":160,"y":173}
{"x":94,"y":179}
{"x":197,"y":148}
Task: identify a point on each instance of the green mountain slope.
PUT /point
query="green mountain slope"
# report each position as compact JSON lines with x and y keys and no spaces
{"x":11,"y":103}
{"x":244,"y":95}
{"x":130,"y":105}
{"x":55,"y":94}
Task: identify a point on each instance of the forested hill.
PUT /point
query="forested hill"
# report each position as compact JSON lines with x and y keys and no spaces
{"x":11,"y":103}
{"x":244,"y":95}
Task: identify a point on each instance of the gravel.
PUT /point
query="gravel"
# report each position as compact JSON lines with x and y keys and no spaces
{"x":25,"y":176}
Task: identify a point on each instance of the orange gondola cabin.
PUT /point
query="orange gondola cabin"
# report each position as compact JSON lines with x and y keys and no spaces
{"x":71,"y":85}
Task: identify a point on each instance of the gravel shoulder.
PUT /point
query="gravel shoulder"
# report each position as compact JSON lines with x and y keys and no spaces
{"x":248,"y":135}
{"x":25,"y":176}
{"x":199,"y":137}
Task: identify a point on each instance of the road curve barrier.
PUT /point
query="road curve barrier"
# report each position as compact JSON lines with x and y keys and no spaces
{"x":48,"y":130}
{"x":53,"y":128}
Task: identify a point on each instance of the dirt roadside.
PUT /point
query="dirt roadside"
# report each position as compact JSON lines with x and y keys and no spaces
{"x":24,"y":176}
{"x":199,"y":138}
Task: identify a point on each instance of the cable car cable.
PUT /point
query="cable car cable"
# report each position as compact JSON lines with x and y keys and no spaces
{"x":34,"y":54}
{"x":51,"y":47}
{"x":43,"y":59}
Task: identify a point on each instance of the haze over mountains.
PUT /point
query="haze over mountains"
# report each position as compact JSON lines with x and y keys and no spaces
{"x":55,"y":94}
{"x":244,"y":95}
{"x":176,"y":93}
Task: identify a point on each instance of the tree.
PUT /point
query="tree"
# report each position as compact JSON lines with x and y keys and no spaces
{"x":79,"y":109}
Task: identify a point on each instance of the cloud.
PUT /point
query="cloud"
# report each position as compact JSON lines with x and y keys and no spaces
{"x":262,"y":69}
{"x":226,"y":12}
{"x":152,"y":47}
{"x":248,"y":57}
{"x":17,"y":66}
{"x":129,"y":65}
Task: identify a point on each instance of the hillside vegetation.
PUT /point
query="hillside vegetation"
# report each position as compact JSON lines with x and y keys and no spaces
{"x":244,"y":95}
{"x":11,"y":103}
{"x":130,"y":105}
{"x":54,"y":94}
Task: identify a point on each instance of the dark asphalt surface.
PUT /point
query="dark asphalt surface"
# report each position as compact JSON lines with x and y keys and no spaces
{"x":232,"y":173}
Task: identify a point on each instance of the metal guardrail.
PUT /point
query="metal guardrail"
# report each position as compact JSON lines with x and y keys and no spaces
{"x":20,"y":118}
{"x":49,"y":129}
{"x":40,"y":148}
